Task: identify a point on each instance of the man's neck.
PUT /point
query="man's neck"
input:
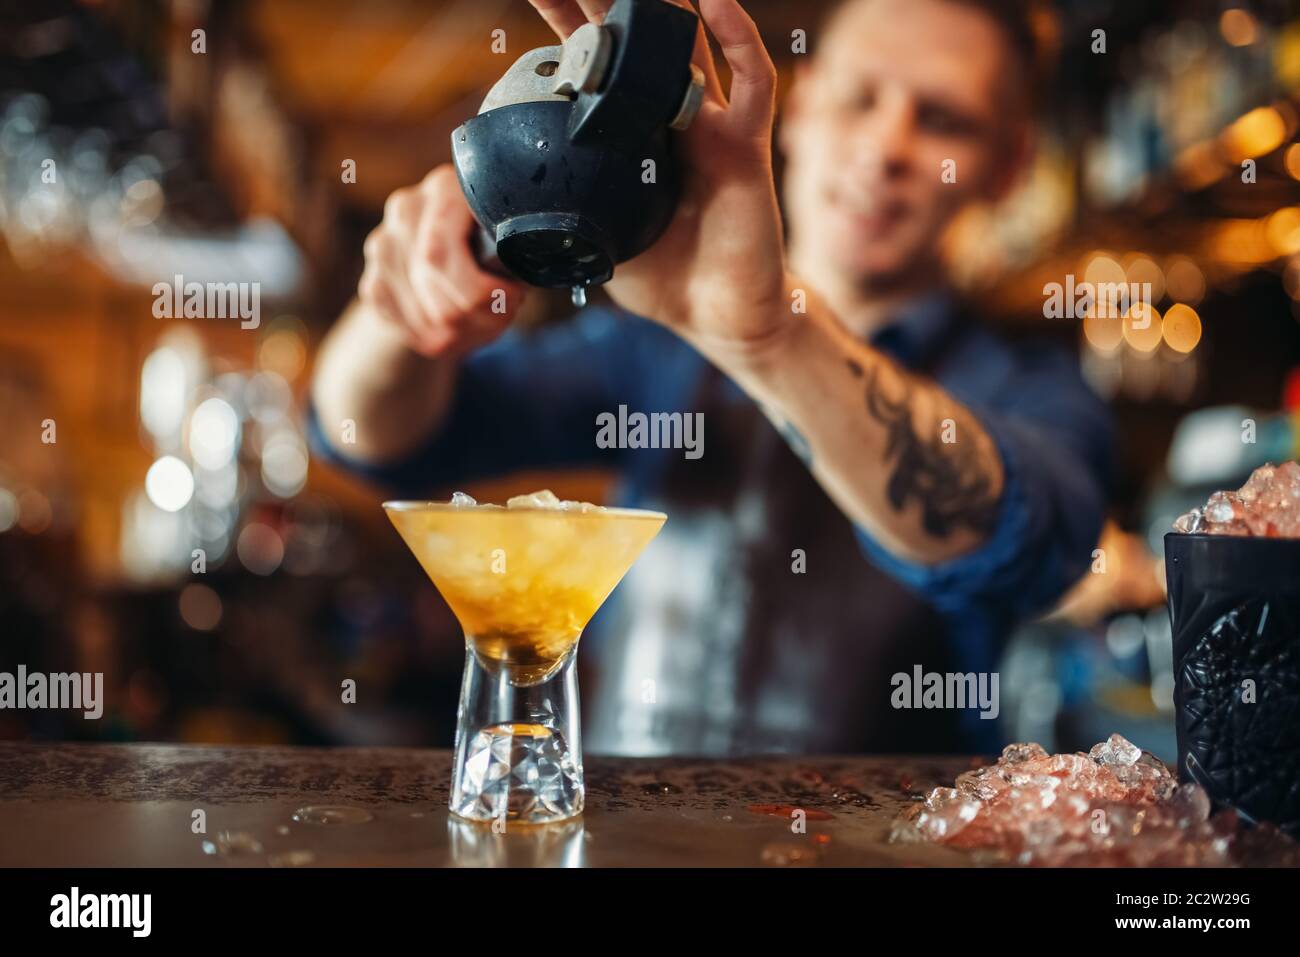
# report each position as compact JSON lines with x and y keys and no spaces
{"x":861,"y":309}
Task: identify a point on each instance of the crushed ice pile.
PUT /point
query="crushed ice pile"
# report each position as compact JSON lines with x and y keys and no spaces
{"x":543,"y":499}
{"x":1268,"y":505}
{"x":1117,"y":805}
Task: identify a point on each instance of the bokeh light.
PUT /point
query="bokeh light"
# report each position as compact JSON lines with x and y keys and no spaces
{"x":1104,"y":333}
{"x":1260,"y":131}
{"x":1283,"y":230}
{"x":260,"y":548}
{"x":1101,"y":267}
{"x":1200,"y":165}
{"x":1139,"y":268}
{"x":284,"y":463}
{"x":1238,"y":27}
{"x":283,"y":349}
{"x":1286,"y":55}
{"x":214,"y":433}
{"x":1142,"y":327}
{"x":1184,"y":280}
{"x":268,"y":397}
{"x":169,"y":484}
{"x":1242,"y":242}
{"x":162,"y":393}
{"x":1291,"y":159}
{"x":1182,"y":327}
{"x":200,"y":607}
{"x":217,"y":488}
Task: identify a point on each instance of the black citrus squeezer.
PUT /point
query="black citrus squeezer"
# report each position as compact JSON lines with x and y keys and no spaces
{"x":568,"y":166}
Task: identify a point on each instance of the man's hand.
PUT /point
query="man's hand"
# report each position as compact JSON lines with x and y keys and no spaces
{"x":717,"y":275}
{"x":421,"y":278}
{"x":389,"y":366}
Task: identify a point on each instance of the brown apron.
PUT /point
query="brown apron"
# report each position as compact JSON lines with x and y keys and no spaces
{"x":721,"y":645}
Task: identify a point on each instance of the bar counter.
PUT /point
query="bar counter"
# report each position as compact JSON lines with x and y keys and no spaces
{"x":133,"y":805}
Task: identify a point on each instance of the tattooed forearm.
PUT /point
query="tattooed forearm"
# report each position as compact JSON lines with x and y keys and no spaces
{"x":955,"y":483}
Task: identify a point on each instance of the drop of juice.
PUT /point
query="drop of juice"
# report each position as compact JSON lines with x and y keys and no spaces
{"x":660,"y":787}
{"x":579,"y":296}
{"x":332,"y":814}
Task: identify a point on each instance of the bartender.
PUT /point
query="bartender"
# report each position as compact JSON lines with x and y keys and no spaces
{"x":886,"y":486}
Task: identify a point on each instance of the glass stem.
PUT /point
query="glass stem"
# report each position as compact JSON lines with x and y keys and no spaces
{"x":518,"y":746}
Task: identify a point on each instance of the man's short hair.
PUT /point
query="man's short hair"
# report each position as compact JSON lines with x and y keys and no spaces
{"x":1030,"y":28}
{"x":1027,"y":25}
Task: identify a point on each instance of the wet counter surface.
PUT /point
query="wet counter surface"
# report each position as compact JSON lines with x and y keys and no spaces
{"x":133,"y":805}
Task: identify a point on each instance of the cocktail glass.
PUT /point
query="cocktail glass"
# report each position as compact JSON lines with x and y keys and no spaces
{"x":523,"y":582}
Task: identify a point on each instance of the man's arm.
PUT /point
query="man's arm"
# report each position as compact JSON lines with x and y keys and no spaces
{"x":1022,"y":485}
{"x":902,"y":458}
{"x":388,"y":368}
{"x":530,"y":400}
{"x":368,"y":375}
{"x":419,"y":385}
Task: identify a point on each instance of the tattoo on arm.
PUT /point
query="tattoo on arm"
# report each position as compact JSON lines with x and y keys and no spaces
{"x":950,"y":481}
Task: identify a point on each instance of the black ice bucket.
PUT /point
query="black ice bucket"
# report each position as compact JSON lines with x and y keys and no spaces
{"x":1234,"y":604}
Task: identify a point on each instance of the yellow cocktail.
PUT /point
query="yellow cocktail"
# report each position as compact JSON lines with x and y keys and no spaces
{"x":523,"y":580}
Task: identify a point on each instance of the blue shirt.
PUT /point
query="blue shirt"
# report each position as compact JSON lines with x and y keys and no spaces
{"x":531,"y":400}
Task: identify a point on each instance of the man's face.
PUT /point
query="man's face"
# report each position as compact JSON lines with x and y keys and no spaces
{"x":897,"y":88}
